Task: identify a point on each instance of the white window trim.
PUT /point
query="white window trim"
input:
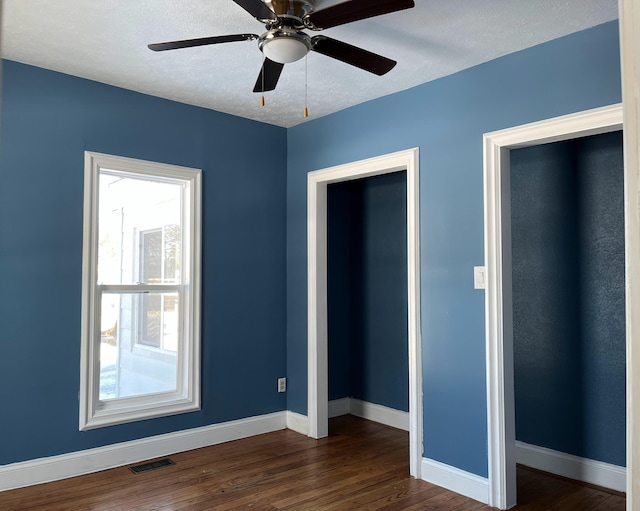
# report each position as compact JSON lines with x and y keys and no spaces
{"x":93,"y":412}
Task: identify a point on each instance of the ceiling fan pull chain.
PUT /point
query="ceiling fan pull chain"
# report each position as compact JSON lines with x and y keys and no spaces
{"x":306,"y":81}
{"x":262,"y":97}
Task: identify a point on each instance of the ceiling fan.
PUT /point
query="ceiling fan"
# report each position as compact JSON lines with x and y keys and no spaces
{"x":285,"y":40}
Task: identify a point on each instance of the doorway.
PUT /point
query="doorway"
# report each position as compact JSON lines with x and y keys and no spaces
{"x":367,"y":298}
{"x":567,"y":231}
{"x":499,"y":299}
{"x":318,"y":394}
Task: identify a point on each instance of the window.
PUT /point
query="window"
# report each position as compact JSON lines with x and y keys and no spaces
{"x":141,"y":291}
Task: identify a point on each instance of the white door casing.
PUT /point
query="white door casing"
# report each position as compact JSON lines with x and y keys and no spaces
{"x":317,"y":182}
{"x":498,"y":298}
{"x":629,"y":11}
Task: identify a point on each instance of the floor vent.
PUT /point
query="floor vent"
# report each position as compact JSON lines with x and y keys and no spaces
{"x":153,"y":465}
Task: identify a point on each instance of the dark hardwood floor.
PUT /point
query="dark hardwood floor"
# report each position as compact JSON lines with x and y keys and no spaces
{"x":360,"y":466}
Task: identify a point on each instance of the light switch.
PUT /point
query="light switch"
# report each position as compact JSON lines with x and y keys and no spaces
{"x":478,"y":277}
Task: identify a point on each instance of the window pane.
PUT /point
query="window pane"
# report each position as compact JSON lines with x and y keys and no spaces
{"x":139,"y":342}
{"x":151,"y":256}
{"x":139,"y":230}
{"x":172,"y":244}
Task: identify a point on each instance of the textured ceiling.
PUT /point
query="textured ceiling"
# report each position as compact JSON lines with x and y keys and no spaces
{"x":105,"y":40}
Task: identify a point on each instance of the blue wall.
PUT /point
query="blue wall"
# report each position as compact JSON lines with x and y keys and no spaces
{"x":446,"y":119}
{"x":569,"y":296}
{"x":367,"y":290}
{"x":48,"y":120}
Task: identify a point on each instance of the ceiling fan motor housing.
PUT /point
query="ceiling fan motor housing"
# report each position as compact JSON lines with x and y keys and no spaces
{"x":296,"y":9}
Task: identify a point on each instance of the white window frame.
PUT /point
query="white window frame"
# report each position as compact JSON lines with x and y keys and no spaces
{"x":95,"y":413}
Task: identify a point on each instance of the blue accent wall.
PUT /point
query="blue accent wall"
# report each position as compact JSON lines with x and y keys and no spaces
{"x":569,"y":296}
{"x":48,"y":120}
{"x":446,"y":119}
{"x":367,"y":290}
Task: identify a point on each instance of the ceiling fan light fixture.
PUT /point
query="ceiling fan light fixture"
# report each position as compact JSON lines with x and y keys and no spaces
{"x":285,"y":42}
{"x":285,"y":46}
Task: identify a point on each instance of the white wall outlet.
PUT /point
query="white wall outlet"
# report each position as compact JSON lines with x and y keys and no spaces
{"x":479,"y":277}
{"x":282,"y":384}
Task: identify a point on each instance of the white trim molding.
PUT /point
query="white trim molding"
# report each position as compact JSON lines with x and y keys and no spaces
{"x":381,"y":414}
{"x":629,"y":11}
{"x":573,"y":467}
{"x":498,"y":303}
{"x":317,"y":182}
{"x":44,"y":470}
{"x":456,"y":480}
{"x":376,"y":413}
{"x":349,"y":406}
{"x":298,"y":423}
{"x":338,"y":407}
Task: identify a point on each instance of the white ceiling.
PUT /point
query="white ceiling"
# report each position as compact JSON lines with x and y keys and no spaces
{"x":106,"y":41}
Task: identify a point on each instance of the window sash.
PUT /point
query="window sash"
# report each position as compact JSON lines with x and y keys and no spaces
{"x":140,"y":288}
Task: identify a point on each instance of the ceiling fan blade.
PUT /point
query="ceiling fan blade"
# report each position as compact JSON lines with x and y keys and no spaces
{"x":268,"y":77}
{"x":354,"y":10}
{"x":257,"y":9}
{"x":188,"y":43}
{"x":372,"y":62}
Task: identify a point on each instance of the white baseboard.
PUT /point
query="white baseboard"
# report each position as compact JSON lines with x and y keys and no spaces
{"x":574,"y":467}
{"x":456,"y":480}
{"x":382,"y":414}
{"x":298,"y":423}
{"x":339,"y":407}
{"x":43,"y":470}
{"x":345,"y":406}
{"x":370,"y":411}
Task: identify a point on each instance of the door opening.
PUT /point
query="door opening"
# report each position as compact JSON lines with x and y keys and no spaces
{"x":317,"y":290}
{"x":367,"y":299}
{"x":499,"y":299}
{"x":568,"y":288}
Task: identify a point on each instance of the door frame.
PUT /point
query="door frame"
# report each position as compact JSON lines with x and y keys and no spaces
{"x":318,"y":388}
{"x":498,"y":299}
{"x":629,"y":12}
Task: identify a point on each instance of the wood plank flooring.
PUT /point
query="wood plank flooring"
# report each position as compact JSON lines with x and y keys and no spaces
{"x":360,"y":466}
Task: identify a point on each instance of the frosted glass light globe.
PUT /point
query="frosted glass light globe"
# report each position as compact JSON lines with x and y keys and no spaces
{"x":284,"y":49}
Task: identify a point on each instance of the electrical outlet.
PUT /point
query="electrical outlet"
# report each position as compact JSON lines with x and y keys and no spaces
{"x":282,"y":384}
